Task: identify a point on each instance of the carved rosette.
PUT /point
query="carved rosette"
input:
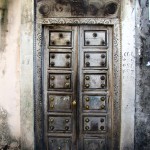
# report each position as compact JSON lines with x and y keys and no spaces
{"x":78,"y":8}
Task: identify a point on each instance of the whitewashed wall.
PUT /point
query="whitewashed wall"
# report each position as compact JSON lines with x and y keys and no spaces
{"x":128,"y":74}
{"x":10,"y":72}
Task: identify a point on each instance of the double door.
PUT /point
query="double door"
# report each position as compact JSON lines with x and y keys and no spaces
{"x":77,"y":83}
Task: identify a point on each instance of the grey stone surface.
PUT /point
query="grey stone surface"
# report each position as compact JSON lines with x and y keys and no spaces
{"x":142,"y":115}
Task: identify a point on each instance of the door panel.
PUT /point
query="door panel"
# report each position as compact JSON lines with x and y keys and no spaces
{"x":60,"y":60}
{"x":94,"y":144}
{"x":77,"y":79}
{"x":59,"y":81}
{"x":95,"y":59}
{"x":62,"y":103}
{"x":60,"y":38}
{"x":59,"y":123}
{"x":95,"y":38}
{"x":94,"y":81}
{"x":93,"y":124}
{"x":94,"y":103}
{"x":59,"y":143}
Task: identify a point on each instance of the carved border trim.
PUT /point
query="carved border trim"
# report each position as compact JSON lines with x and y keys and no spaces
{"x":75,"y":21}
{"x":38,"y":102}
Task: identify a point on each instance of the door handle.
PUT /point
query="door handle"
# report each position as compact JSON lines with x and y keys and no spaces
{"x":74,"y":103}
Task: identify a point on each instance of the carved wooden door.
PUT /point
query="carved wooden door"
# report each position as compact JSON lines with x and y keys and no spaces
{"x":77,"y":80}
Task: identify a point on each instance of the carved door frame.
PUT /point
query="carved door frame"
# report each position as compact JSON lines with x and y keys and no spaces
{"x":38,"y":95}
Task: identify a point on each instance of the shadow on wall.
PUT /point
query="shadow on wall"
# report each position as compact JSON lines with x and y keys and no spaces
{"x":3,"y":20}
{"x":2,"y":9}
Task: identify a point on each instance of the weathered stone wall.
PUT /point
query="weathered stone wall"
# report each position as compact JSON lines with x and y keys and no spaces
{"x":9,"y":74}
{"x":142,"y":116}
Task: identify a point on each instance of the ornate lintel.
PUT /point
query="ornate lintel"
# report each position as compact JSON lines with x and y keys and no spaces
{"x":78,"y":21}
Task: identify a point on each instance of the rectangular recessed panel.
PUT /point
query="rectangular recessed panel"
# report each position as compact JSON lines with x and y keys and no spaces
{"x":60,"y":60}
{"x":57,"y":143}
{"x":93,"y":59}
{"x":60,"y":38}
{"x":95,"y":38}
{"x":95,"y":81}
{"x":59,"y":124}
{"x":96,"y":103}
{"x":59,"y":103}
{"x":59,"y":81}
{"x":94,"y":124}
{"x":94,"y":144}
